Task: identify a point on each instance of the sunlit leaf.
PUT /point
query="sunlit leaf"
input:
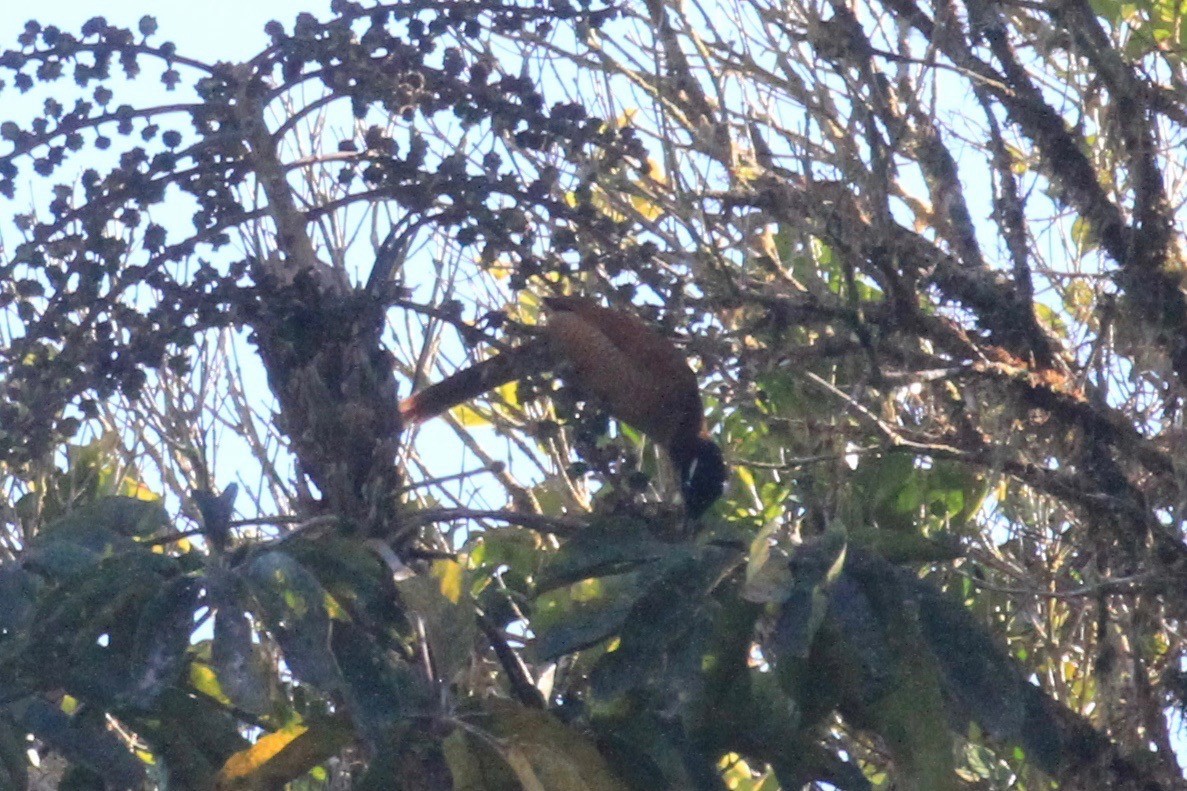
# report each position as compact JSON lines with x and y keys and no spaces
{"x":544,"y":754}
{"x":564,"y":622}
{"x":283,"y":755}
{"x":450,"y":574}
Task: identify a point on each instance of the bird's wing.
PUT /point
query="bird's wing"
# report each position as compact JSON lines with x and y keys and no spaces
{"x":639,"y":375}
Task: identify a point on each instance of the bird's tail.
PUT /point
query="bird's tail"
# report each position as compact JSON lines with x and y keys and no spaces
{"x":469,"y":383}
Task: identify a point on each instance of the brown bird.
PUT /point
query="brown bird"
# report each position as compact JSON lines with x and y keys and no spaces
{"x":636,"y":373}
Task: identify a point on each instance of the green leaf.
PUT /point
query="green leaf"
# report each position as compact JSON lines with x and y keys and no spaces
{"x":80,"y":778}
{"x":668,"y":627}
{"x":977,"y":673}
{"x":605,"y":547}
{"x":908,"y":710}
{"x":1108,"y":9}
{"x":213,"y":730}
{"x":863,"y":631}
{"x":162,"y":637}
{"x":14,"y":765}
{"x":356,"y":578}
{"x":84,"y":630}
{"x":914,"y":723}
{"x":190,"y":734}
{"x":1051,"y":319}
{"x":123,"y":516}
{"x":175,"y":745}
{"x":293,"y":606}
{"x":511,"y":553}
{"x":768,"y":573}
{"x":574,"y":618}
{"x":450,"y":627}
{"x":652,"y":751}
{"x":475,"y":764}
{"x":1083,"y":236}
{"x":897,"y":492}
{"x":61,"y":559}
{"x":237,"y":665}
{"x":81,"y":740}
{"x":813,"y":568}
{"x":18,"y":592}
{"x":543,"y":753}
{"x":383,"y":691}
{"x":813,"y":763}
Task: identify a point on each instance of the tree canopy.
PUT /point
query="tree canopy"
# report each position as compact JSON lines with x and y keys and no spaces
{"x":927,"y":261}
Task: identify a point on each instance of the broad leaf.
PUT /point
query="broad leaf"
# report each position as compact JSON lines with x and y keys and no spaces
{"x":18,"y":591}
{"x":382,"y":690}
{"x":237,"y":664}
{"x":284,"y":755}
{"x":124,"y":516}
{"x":450,"y":625}
{"x":82,"y":740}
{"x":293,"y":605}
{"x":605,"y":547}
{"x":162,"y":637}
{"x":543,"y":753}
{"x":584,"y":614}
{"x":14,"y":764}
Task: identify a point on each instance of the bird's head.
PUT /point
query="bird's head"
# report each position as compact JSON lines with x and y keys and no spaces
{"x":702,"y":477}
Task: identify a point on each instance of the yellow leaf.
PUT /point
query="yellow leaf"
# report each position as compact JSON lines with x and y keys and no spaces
{"x":525,"y":309}
{"x":334,"y":609}
{"x":283,"y":756}
{"x":747,"y":173}
{"x":747,"y":477}
{"x":598,"y":199}
{"x":247,"y":762}
{"x":136,"y":489}
{"x":655,"y":172}
{"x":1018,"y":164}
{"x":648,"y":209}
{"x":735,"y":772}
{"x":627,"y":118}
{"x":468,"y":416}
{"x":205,"y":680}
{"x":509,"y":393}
{"x":450,"y":575}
